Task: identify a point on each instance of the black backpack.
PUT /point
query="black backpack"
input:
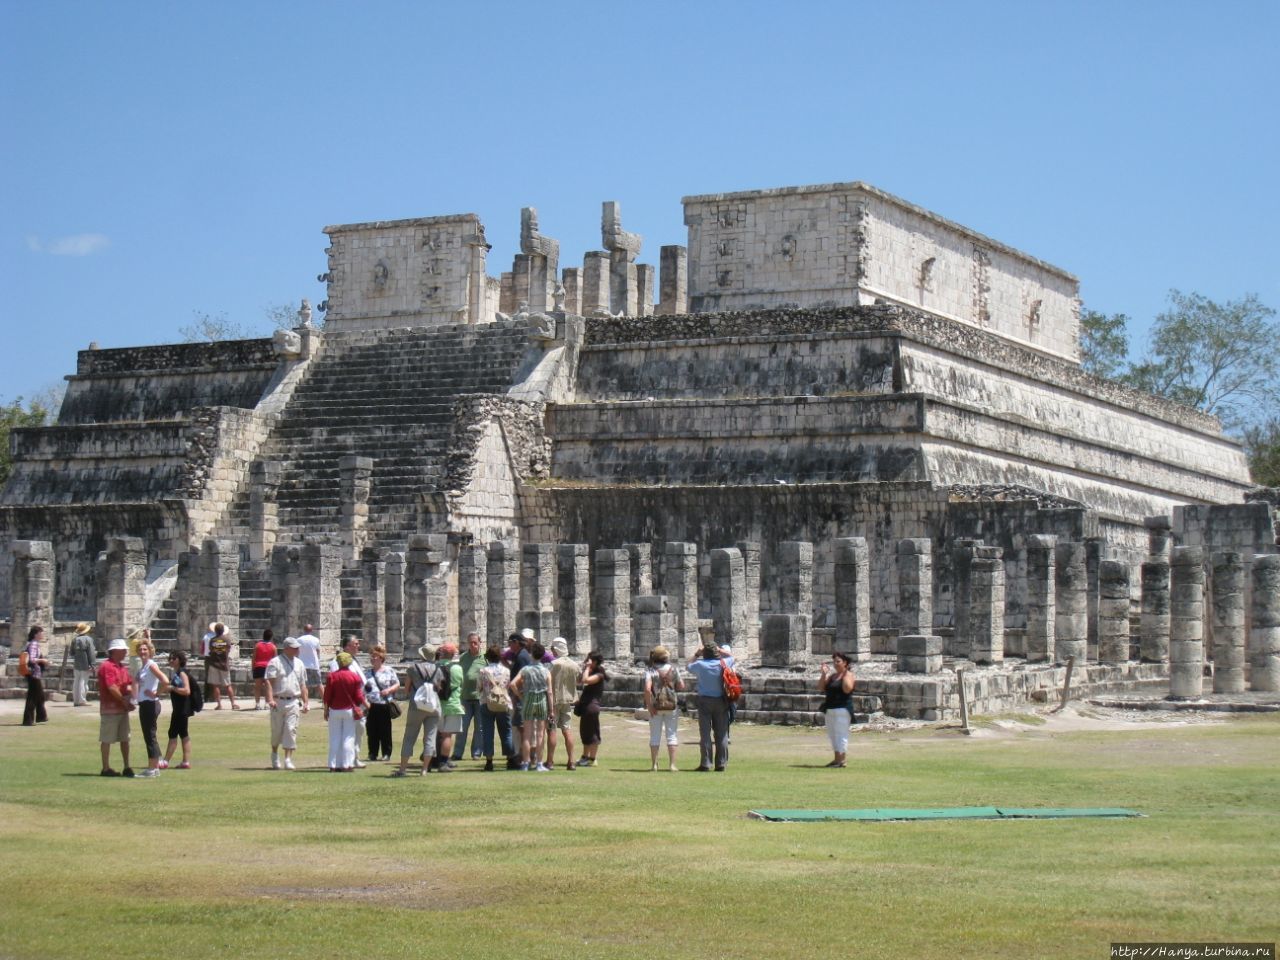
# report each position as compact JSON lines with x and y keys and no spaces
{"x":444,"y":680}
{"x":195,"y":701}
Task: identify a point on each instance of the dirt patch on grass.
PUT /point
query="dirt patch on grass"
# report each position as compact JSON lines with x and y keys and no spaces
{"x":427,"y":893}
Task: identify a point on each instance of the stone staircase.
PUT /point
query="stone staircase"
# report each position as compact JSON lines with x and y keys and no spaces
{"x":388,"y":395}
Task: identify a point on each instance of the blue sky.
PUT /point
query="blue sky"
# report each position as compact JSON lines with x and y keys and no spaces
{"x":165,"y":158}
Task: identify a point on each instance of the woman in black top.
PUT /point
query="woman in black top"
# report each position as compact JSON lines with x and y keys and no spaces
{"x":593,"y":680}
{"x":180,"y":699}
{"x":836,"y":683}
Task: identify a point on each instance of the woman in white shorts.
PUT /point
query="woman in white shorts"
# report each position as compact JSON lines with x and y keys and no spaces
{"x":662,"y":684}
{"x":836,"y":683}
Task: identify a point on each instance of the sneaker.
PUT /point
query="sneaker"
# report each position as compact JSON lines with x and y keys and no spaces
{"x":360,"y":765}
{"x":397,"y":773}
{"x":275,"y":762}
{"x":522,"y":766}
{"x":149,"y":773}
{"x":542,"y":768}
{"x":127,"y":772}
{"x":445,"y":768}
{"x":448,"y":765}
{"x":164,"y":764}
{"x":184,"y":765}
{"x":585,"y":762}
{"x":288,"y":764}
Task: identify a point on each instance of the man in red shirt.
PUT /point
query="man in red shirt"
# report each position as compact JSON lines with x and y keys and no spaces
{"x":115,"y":703}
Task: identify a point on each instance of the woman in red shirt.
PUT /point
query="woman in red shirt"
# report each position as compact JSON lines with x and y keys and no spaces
{"x":344,"y":704}
{"x":263,"y":653}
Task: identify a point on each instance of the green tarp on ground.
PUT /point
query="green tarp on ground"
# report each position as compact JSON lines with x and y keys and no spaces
{"x":945,"y":813}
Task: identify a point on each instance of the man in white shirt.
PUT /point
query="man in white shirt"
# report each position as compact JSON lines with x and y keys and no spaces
{"x":286,"y":695}
{"x":309,"y":654}
{"x":352,"y":646}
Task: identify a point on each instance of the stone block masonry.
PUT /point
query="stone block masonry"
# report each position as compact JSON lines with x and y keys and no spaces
{"x":612,"y":625}
{"x":1226,"y":621}
{"x":122,"y":583}
{"x":853,"y":598}
{"x":573,"y":590}
{"x":986,"y":611}
{"x":32,"y":589}
{"x":919,"y":654}
{"x":320,"y":589}
{"x":1041,"y":600}
{"x":728,"y":596}
{"x":784,"y":640}
{"x":538,"y":590}
{"x":1113,"y":612}
{"x":915,"y":586}
{"x":1264,"y":633}
{"x":654,"y":626}
{"x":1071,"y":623}
{"x":680,"y":585}
{"x":473,"y":599}
{"x":504,"y":590}
{"x":1154,"y":642}
{"x":1186,"y":624}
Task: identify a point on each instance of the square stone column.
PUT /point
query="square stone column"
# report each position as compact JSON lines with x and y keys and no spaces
{"x":641,"y":568}
{"x":354,"y":479}
{"x":673,"y":280}
{"x":654,"y":625}
{"x":31,"y":591}
{"x":573,"y":589}
{"x":595,"y":283}
{"x":1186,"y":624}
{"x":473,"y":592}
{"x":1226,"y":621}
{"x":853,"y":598}
{"x":962,"y":551}
{"x":784,"y":640}
{"x":426,"y":590}
{"x":373,"y":597}
{"x":507,"y":302}
{"x":538,"y":591}
{"x":1071,"y":623}
{"x":915,"y":587}
{"x":795,"y":576}
{"x":220,"y":576}
{"x":919,"y":654}
{"x":986,"y":610}
{"x":1095,"y":550}
{"x":1042,"y":598}
{"x":504,"y":590}
{"x":612,"y":627}
{"x":680,"y":584}
{"x":1159,"y":538}
{"x":728,"y":597}
{"x":751,"y":565}
{"x":192,"y":621}
{"x":1154,"y":642}
{"x":1113,"y":612}
{"x":1264,"y":631}
{"x":394,"y":601}
{"x":264,"y":524}
{"x":644,"y":290}
{"x":121,"y":587}
{"x":286,"y":591}
{"x":572,"y":282}
{"x":320,"y":589}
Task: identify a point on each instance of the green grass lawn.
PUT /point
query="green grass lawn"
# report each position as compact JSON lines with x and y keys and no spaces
{"x":232,"y":860}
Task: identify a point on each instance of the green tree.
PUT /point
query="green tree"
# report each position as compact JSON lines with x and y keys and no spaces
{"x":1262,"y":446}
{"x":16,"y":414}
{"x":1223,"y":358}
{"x":1104,"y":343}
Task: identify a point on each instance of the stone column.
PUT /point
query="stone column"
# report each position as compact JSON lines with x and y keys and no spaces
{"x":572,"y":281}
{"x":1226,"y":622}
{"x":644,"y":290}
{"x":1113,"y":612}
{"x":394,"y":601}
{"x":1186,"y":624}
{"x":919,"y":654}
{"x":1159,"y":538}
{"x":654,"y":625}
{"x":354,"y":476}
{"x":473,"y":594}
{"x":426,"y":590}
{"x":186,"y":593}
{"x":986,"y":610}
{"x":750,"y":550}
{"x":541,"y":261}
{"x":538,"y":591}
{"x":1095,"y":548}
{"x":680,"y":584}
{"x":507,"y":301}
{"x":784,"y":640}
{"x":220,"y":576}
{"x":612,"y":627}
{"x":853,"y":598}
{"x":504,"y":590}
{"x":373,"y":597}
{"x":1071,"y":623}
{"x":522,"y":280}
{"x":962,"y":596}
{"x":1154,"y":642}
{"x":121,"y":587}
{"x":795,"y":575}
{"x":673,"y":280}
{"x":623,"y":249}
{"x":728,"y":596}
{"x":1041,"y":599}
{"x":31,"y":591}
{"x":320,"y":589}
{"x":573,"y":589}
{"x":286,"y":600}
{"x":595,"y":283}
{"x":264,"y":481}
{"x":915,"y":587}
{"x":1264,"y":633}
{"x":641,"y":568}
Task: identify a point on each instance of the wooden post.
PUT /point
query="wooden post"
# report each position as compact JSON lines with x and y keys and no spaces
{"x":1066,"y":685}
{"x":964,"y":702}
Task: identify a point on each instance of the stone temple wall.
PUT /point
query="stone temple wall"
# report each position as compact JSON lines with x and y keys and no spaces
{"x":849,"y":243}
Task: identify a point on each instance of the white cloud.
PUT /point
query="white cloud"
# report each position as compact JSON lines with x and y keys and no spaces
{"x":77,"y":245}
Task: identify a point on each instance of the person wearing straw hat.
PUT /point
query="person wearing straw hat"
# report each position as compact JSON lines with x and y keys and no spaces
{"x":83,"y":654}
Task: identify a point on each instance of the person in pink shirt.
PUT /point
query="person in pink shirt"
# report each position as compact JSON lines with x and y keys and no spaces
{"x":264,"y":651}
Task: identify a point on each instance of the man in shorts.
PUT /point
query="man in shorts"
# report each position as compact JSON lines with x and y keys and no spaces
{"x":218,"y":671}
{"x":115,"y":703}
{"x":286,"y":696}
{"x":309,"y":654}
{"x":564,"y":691}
